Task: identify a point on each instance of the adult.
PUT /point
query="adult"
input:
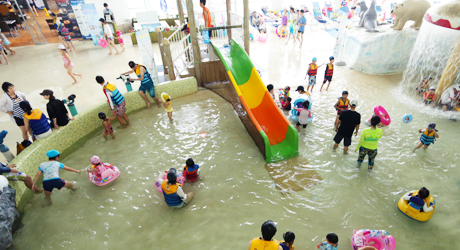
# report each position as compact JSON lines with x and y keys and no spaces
{"x":146,"y":82}
{"x":206,"y":14}
{"x":368,"y":143}
{"x":449,"y":99}
{"x":56,"y":109}
{"x":303,"y":94}
{"x":9,"y":103}
{"x":12,"y":174}
{"x":172,"y":191}
{"x":108,"y":34}
{"x":266,"y":241}
{"x":349,"y":121}
{"x":108,"y":14}
{"x":116,"y":100}
{"x":35,"y":121}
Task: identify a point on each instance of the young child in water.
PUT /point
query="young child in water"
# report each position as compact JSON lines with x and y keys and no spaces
{"x":288,"y":243}
{"x":304,"y":115}
{"x":428,"y":136}
{"x":424,"y":85}
{"x":107,"y":125}
{"x":419,"y":200}
{"x":331,"y":243}
{"x":430,"y":96}
{"x":271,"y":90}
{"x":168,"y":108}
{"x":191,"y":170}
{"x":286,"y":103}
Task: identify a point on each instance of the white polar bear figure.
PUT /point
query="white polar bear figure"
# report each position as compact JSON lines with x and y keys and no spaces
{"x":409,"y":10}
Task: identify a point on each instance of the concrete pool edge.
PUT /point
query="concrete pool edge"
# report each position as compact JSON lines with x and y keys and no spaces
{"x":85,"y":125}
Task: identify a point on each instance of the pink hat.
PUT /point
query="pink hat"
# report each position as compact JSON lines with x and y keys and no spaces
{"x":95,"y":160}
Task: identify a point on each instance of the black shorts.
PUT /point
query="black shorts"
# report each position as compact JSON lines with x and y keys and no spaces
{"x":346,"y":140}
{"x":353,"y":8}
{"x":19,"y":121}
{"x":303,"y":125}
{"x":327,"y":78}
{"x":301,"y":32}
{"x":52,"y":184}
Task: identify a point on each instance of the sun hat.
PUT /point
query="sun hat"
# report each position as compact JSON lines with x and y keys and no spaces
{"x":354,"y":103}
{"x":61,"y":47}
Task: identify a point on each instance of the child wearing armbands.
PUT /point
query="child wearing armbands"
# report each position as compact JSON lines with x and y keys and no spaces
{"x":191,"y":170}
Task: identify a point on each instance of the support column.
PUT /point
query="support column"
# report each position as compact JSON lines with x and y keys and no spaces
{"x":168,"y":59}
{"x":229,"y":20}
{"x":181,"y":11}
{"x":246,"y":26}
{"x":194,"y":37}
{"x":162,"y":50}
{"x":450,"y":71}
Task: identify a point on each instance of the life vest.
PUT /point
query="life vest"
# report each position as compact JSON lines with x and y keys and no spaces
{"x":117,"y":97}
{"x":428,"y":97}
{"x":147,"y":77}
{"x":205,"y":9}
{"x":172,"y":199}
{"x":313,"y":70}
{"x":187,"y":30}
{"x":330,"y":70}
{"x":342,"y":105}
{"x":191,"y":176}
{"x":260,"y":244}
{"x":38,"y":122}
{"x":427,"y":138}
{"x":291,"y":247}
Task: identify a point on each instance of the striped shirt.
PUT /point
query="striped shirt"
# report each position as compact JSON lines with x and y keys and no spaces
{"x":17,"y":111}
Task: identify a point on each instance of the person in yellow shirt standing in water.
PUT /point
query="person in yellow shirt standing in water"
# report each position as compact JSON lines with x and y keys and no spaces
{"x":369,"y":141}
{"x":266,"y":242}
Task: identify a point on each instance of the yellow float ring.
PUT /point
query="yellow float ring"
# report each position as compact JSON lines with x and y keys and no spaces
{"x":413,"y":213}
{"x":164,"y":97}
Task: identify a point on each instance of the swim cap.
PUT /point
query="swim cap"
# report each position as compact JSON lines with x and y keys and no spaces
{"x":314,"y":59}
{"x":330,"y":58}
{"x":102,"y":115}
{"x":172,"y":176}
{"x":95,"y":160}
{"x":52,"y":153}
{"x":432,"y":125}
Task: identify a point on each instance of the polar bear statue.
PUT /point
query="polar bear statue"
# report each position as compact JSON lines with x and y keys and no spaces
{"x":409,"y":10}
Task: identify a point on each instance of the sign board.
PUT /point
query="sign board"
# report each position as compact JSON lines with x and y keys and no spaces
{"x":92,"y":21}
{"x":81,"y":20}
{"x":68,"y":17}
{"x":146,"y":51}
{"x":206,"y":36}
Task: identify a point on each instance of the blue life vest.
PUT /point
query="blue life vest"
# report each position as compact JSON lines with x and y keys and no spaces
{"x":416,"y":202}
{"x":147,"y":78}
{"x":117,"y":97}
{"x":427,"y":138}
{"x":172,"y":199}
{"x":38,"y":122}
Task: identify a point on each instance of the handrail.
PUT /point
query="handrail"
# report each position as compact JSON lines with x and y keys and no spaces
{"x":173,"y":37}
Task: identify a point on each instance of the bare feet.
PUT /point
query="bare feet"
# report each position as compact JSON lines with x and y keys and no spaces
{"x":117,"y":53}
{"x":123,"y":50}
{"x":110,"y":53}
{"x":13,"y":52}
{"x":148,"y":105}
{"x":75,"y":82}
{"x":159,"y":105}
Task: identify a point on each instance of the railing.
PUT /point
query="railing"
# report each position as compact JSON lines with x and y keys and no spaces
{"x":181,"y":54}
{"x":177,"y":35}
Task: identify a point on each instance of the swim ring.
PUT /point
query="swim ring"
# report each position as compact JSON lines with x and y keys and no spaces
{"x":103,"y":43}
{"x":379,"y":239}
{"x":164,"y":97}
{"x":180,"y":179}
{"x":107,"y":173}
{"x":383,"y":114}
{"x":414,"y":213}
{"x":298,"y":104}
{"x":281,"y":33}
{"x":407,"y":118}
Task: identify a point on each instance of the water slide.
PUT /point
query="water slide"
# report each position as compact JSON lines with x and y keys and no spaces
{"x":280,"y":138}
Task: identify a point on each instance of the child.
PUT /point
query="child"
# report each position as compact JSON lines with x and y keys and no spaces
{"x":424,"y":85}
{"x":68,"y":39}
{"x":108,"y":130}
{"x":51,"y":180}
{"x":288,"y":243}
{"x":191,"y":170}
{"x":302,"y":21}
{"x":328,"y":73}
{"x":168,"y":108}
{"x":68,"y":65}
{"x":119,"y":37}
{"x":312,"y":70}
{"x":341,"y":105}
{"x":292,"y":23}
{"x":6,"y":43}
{"x":429,"y":96}
{"x":331,"y":243}
{"x":286,"y":103}
{"x":418,"y":201}
{"x":108,"y":35}
{"x":428,"y":137}
{"x":284,"y":21}
{"x":304,"y":115}
{"x":270,"y":89}
{"x":368,"y":143}
{"x":3,"y":53}
{"x":96,"y":164}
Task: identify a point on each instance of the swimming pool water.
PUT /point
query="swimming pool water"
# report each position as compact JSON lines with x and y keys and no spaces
{"x":237,"y":194}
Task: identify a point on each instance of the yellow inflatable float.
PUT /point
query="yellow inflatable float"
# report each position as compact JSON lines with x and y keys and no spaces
{"x":164,"y":97}
{"x":413,"y":212}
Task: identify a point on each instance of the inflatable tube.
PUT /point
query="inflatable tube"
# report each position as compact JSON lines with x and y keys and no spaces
{"x":298,"y":104}
{"x":281,"y":33}
{"x":180,"y":179}
{"x":164,"y":97}
{"x":103,"y":43}
{"x":407,"y":118}
{"x":380,"y":239}
{"x":108,"y":173}
{"x":383,"y":114}
{"x":262,"y":37}
{"x":415,"y":213}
